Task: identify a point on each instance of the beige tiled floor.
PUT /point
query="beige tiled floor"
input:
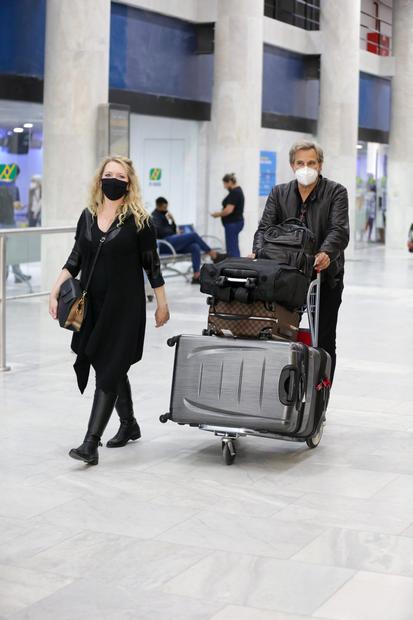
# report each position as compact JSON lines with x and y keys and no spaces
{"x":162,"y":529}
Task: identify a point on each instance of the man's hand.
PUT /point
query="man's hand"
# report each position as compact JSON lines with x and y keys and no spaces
{"x":322,"y":261}
{"x":216,"y":214}
{"x":252,"y":255}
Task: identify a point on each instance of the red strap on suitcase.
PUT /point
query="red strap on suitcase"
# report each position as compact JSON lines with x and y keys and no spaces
{"x":324,"y":385}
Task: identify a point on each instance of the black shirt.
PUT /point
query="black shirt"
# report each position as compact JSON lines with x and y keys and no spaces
{"x":6,"y":206}
{"x":113,"y":342}
{"x":99,"y":282}
{"x":162,"y":226}
{"x":303,"y":206}
{"x":235,"y":197}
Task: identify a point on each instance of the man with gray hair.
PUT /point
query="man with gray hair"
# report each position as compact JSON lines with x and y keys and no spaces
{"x":322,"y":205}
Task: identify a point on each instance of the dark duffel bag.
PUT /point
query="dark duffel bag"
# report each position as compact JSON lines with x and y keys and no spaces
{"x":247,"y":280}
{"x":260,"y":320}
{"x":290,"y":243}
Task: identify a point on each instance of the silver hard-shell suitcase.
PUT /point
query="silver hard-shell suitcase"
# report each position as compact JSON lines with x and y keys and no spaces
{"x":236,"y":388}
{"x":237,"y":383}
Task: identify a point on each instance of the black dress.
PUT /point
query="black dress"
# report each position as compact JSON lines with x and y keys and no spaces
{"x":112,"y":335}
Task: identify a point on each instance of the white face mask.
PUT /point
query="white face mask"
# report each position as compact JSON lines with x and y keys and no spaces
{"x":306,"y":175}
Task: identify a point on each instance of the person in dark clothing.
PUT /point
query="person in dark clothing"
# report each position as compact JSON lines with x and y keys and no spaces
{"x":9,"y":201}
{"x":232,"y":214}
{"x":323,"y":206}
{"x":183,"y":243}
{"x":111,"y":338}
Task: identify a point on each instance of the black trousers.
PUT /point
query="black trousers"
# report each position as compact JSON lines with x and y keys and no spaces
{"x":330,"y":302}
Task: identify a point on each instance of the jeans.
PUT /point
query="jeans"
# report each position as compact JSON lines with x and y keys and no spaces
{"x":232,"y":231}
{"x":330,"y":301}
{"x":189,"y":243}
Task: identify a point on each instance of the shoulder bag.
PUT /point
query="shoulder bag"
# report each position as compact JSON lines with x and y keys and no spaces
{"x":72,"y":301}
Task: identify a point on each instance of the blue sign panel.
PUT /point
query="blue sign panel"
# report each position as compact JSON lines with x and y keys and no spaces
{"x":268,"y":164}
{"x":374,"y":102}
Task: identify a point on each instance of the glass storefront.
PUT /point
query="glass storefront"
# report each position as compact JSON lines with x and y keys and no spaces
{"x":21,"y":163}
{"x":371,"y":196}
{"x":21,"y":166}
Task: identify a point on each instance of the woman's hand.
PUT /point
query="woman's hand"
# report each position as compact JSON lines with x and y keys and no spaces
{"x":216,"y":214}
{"x":53,"y":306}
{"x":161,"y":315}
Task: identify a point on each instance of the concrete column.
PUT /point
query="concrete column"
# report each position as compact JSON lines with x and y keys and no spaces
{"x":400,"y":197}
{"x":234,"y":144}
{"x":76,"y":81}
{"x":339,"y":95}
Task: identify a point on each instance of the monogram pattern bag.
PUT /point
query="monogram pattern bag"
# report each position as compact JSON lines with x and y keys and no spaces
{"x":259,"y":320}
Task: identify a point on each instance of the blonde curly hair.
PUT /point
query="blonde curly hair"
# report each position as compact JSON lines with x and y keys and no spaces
{"x":132,"y":203}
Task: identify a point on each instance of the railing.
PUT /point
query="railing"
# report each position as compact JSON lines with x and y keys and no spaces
{"x":4,"y":234}
{"x":7,"y":232}
{"x":376,"y":29}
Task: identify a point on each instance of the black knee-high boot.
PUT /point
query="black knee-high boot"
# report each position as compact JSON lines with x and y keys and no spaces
{"x":103,"y":404}
{"x":129,"y":428}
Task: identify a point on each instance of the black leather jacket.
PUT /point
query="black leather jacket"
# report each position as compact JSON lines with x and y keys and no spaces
{"x":162,"y":226}
{"x":327,"y":217}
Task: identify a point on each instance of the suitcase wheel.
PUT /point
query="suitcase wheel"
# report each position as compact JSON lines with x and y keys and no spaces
{"x":171,"y":342}
{"x":208,"y":332}
{"x":228,"y":451}
{"x":164,"y":418}
{"x":313,"y":441}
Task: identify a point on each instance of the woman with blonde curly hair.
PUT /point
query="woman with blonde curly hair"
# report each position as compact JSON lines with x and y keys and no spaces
{"x":112,"y":334}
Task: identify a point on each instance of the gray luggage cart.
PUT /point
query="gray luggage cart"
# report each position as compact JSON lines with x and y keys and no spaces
{"x":230,"y":435}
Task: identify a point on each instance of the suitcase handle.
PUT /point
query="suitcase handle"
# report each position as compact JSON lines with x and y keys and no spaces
{"x":249,"y":282}
{"x":288,"y":385}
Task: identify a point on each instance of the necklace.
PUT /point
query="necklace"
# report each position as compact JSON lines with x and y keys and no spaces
{"x":108,"y":222}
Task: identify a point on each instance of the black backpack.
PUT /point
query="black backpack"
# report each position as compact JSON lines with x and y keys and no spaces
{"x":290,"y":243}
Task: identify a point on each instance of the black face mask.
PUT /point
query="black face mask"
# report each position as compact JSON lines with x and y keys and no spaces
{"x":114,"y":188}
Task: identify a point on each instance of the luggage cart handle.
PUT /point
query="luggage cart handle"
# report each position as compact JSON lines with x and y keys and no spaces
{"x":313,"y":308}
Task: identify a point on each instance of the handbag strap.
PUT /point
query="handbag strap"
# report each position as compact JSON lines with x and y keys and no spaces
{"x":101,"y":242}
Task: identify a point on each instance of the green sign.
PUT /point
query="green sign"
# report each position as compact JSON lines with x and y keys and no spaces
{"x":155,"y":174}
{"x":8,"y":172}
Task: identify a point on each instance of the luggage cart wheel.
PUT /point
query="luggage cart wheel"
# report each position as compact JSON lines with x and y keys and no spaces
{"x":228,"y":451}
{"x":313,"y":442}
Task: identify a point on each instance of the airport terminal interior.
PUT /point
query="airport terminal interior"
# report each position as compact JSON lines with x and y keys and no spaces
{"x":206,"y":521}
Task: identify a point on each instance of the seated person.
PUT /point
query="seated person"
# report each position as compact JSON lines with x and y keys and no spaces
{"x":183,"y":243}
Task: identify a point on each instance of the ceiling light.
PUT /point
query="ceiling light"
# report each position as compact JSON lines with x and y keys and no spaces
{"x":18,"y":130}
{"x":359,"y":146}
{"x":28,"y":125}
